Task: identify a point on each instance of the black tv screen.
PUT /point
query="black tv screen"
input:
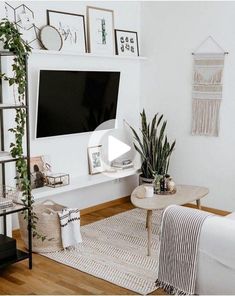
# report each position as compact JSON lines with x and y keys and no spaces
{"x":75,"y":101}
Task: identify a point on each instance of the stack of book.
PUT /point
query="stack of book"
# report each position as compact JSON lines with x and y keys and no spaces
{"x":125,"y":164}
{"x":5,"y":203}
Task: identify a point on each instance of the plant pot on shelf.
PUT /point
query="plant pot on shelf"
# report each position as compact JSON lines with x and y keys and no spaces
{"x":143,"y":180}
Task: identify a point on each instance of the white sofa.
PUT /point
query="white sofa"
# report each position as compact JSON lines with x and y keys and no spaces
{"x":216,"y":261}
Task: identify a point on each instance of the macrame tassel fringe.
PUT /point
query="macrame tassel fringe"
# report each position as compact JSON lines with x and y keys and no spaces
{"x":205,"y":119}
{"x":169,"y":289}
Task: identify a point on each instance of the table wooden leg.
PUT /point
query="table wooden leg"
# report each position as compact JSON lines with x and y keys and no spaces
{"x":149,"y":223}
{"x":147,"y":219}
{"x":199,"y":204}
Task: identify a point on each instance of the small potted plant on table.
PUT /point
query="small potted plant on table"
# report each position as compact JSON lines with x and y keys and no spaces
{"x":155,"y":150}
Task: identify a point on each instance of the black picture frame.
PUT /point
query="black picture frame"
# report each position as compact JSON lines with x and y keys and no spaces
{"x":117,"y":47}
{"x":71,"y":14}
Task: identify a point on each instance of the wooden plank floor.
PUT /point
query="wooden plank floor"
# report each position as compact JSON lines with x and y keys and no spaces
{"x":52,"y":278}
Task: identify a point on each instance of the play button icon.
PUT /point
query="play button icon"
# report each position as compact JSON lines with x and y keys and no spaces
{"x":116,"y":148}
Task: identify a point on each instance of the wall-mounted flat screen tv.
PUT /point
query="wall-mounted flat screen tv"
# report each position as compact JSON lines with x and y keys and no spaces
{"x":72,"y":102}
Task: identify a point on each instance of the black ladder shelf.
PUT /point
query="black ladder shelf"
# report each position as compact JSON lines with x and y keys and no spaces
{"x":20,"y":255}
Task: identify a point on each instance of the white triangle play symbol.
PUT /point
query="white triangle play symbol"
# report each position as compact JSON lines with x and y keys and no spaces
{"x":116,"y":148}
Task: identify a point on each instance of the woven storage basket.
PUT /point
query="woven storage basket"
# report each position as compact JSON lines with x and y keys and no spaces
{"x":48,"y":224}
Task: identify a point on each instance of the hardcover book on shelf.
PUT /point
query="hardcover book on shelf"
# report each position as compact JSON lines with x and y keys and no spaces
{"x":125,"y":164}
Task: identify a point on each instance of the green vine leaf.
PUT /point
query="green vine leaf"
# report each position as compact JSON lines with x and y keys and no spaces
{"x":13,"y":42}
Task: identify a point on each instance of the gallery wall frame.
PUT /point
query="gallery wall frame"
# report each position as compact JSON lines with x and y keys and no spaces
{"x":100,"y":30}
{"x":94,"y":160}
{"x":126,"y":43}
{"x":71,"y":26}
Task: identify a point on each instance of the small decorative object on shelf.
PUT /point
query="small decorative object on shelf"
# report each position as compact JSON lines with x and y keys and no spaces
{"x":50,"y":38}
{"x":57,"y":180}
{"x":145,"y":191}
{"x":170,"y":185}
{"x":23,"y":17}
{"x":7,"y":196}
{"x":157,"y":183}
{"x":164,"y":185}
{"x":124,"y":164}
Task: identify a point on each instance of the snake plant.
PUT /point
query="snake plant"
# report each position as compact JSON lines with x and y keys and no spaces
{"x":153,"y":146}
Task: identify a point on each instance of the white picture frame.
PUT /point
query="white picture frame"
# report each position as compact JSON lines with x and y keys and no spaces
{"x":100,"y":31}
{"x":71,"y":27}
{"x":95,"y":160}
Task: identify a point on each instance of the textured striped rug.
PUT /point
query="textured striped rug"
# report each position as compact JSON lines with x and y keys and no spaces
{"x":115,"y":249}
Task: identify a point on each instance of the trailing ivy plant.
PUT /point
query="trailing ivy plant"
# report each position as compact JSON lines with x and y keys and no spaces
{"x":12,"y":41}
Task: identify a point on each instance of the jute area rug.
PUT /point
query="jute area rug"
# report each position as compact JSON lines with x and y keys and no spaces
{"x":115,"y":249}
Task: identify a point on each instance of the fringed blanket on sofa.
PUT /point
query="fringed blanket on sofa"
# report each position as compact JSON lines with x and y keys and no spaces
{"x":180,"y":232}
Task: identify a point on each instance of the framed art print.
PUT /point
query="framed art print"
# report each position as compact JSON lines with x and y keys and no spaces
{"x":71,"y":28}
{"x":39,"y":168}
{"x":100,"y":30}
{"x":37,"y":172}
{"x":94,"y":160}
{"x":126,"y":43}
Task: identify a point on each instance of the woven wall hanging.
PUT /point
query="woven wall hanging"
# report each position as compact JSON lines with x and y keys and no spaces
{"x":207,"y":90}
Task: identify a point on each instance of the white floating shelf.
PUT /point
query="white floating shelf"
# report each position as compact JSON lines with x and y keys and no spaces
{"x":87,"y":55}
{"x":82,"y":182}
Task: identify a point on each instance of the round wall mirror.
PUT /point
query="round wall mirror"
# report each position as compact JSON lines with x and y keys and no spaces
{"x":51,"y":38}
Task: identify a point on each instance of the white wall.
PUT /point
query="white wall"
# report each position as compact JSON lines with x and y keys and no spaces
{"x":170,"y":32}
{"x":69,"y":153}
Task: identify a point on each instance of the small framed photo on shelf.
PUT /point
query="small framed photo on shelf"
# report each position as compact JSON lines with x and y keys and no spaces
{"x":126,"y":43}
{"x":100,"y":30}
{"x":39,"y":168}
{"x":94,"y":160}
{"x":71,"y":28}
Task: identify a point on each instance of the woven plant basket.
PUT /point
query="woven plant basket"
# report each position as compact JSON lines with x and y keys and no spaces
{"x":48,"y":224}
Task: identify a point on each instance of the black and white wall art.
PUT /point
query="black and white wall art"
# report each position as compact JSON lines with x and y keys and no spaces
{"x":126,"y":43}
{"x":72,"y":29}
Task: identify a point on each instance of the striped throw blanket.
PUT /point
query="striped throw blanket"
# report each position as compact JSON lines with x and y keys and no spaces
{"x":180,"y":231}
{"x":70,"y":227}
